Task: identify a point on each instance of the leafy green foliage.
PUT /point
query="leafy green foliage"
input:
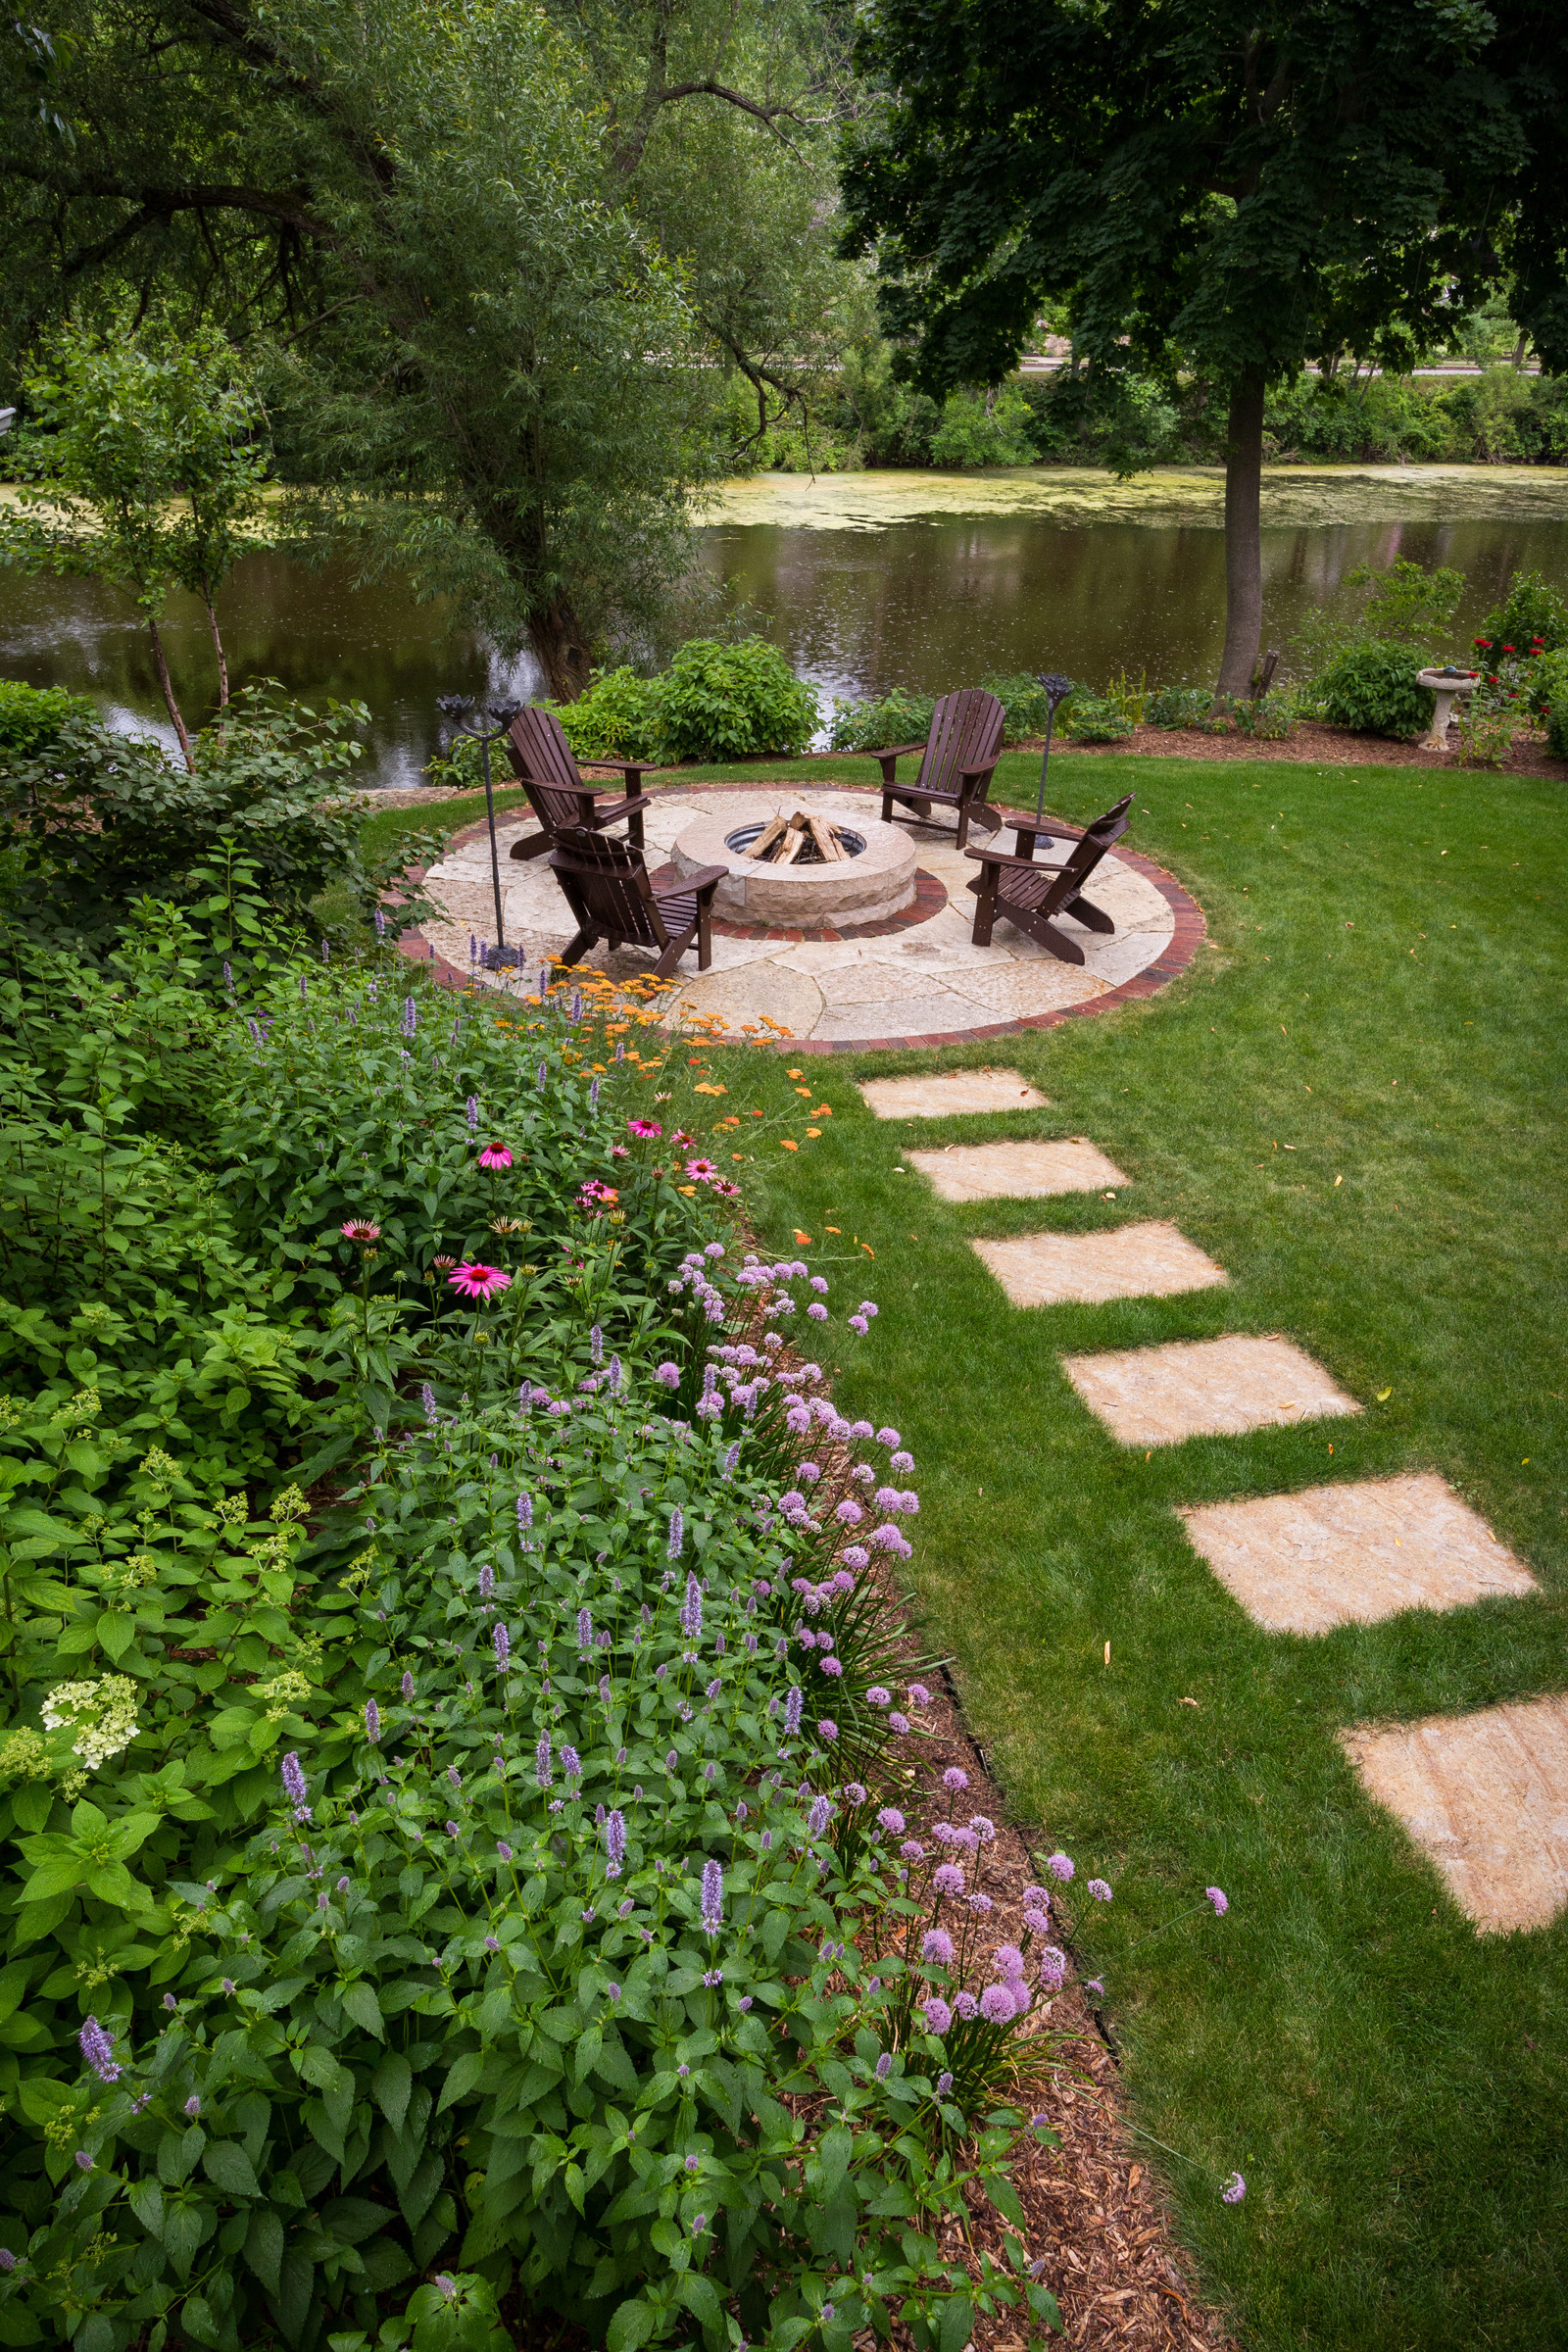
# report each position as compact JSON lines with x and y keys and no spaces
{"x":549,"y":1955}
{"x":1532,"y":612}
{"x":1096,"y":718}
{"x":714,"y":701}
{"x":32,"y":718}
{"x":976,"y":430}
{"x":1372,"y":687}
{"x":247,"y":837}
{"x":900,"y":718}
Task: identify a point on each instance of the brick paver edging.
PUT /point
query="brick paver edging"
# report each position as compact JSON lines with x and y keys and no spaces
{"x":1191,"y":929}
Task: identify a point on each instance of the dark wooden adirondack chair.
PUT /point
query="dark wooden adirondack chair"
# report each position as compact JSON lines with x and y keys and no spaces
{"x":1030,"y":895}
{"x":610,"y":892}
{"x":957,"y":761}
{"x":543,"y":763}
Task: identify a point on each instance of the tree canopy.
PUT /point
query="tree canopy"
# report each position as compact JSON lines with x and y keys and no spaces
{"x":1233,"y":189}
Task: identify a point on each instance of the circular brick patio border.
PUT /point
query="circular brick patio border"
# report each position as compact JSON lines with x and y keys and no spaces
{"x":1191,"y":929}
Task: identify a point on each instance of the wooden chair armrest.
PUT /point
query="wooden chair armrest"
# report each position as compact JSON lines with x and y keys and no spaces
{"x":983,"y":768}
{"x":705,"y":879}
{"x":1035,"y":865}
{"x":902,"y":750}
{"x":626,"y":768}
{"x":609,"y":816}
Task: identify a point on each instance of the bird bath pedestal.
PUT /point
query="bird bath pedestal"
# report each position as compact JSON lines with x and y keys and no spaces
{"x":1446,"y":685}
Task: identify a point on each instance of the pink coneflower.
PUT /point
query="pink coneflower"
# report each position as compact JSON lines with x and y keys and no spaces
{"x":495,"y":1156}
{"x":359,"y":1229}
{"x":474,"y":1280}
{"x":442,"y":1264}
{"x":645,"y":1130}
{"x":703,"y":1169}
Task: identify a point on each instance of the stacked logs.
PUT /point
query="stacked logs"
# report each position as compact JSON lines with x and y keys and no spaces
{"x":798,"y":840}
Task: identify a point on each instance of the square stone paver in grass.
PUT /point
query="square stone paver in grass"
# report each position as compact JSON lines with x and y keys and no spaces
{"x":947,"y":1095}
{"x":1203,"y":1388}
{"x":1016,"y":1172}
{"x":1350,"y":1554}
{"x":1135,"y":1262}
{"x":1487,"y":1797}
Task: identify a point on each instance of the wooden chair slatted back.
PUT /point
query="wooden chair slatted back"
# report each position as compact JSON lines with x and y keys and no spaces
{"x":607,"y":883}
{"x":1087,"y":852}
{"x":966,"y":731}
{"x":542,"y":762}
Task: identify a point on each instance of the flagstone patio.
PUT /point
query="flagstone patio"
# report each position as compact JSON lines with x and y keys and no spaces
{"x":912,"y":977}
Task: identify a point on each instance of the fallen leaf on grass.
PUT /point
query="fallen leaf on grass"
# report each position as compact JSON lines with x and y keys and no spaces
{"x":785,"y":1145}
{"x":1384,"y":1394}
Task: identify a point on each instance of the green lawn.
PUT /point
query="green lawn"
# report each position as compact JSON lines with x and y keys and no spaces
{"x":1382,"y":993}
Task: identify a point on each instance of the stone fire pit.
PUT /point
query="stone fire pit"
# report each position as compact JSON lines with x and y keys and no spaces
{"x":873,"y":876}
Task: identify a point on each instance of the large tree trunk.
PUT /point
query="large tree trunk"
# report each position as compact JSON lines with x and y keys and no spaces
{"x":1244,"y":549}
{"x":558,"y":639}
{"x":165,"y":682}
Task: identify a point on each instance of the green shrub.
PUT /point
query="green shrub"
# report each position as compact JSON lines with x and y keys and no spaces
{"x":1095,"y":718}
{"x":1531,"y":612}
{"x":731,"y":701}
{"x":32,"y":718}
{"x":617,"y":718}
{"x":980,"y":430}
{"x":714,"y":701}
{"x":1179,"y":706}
{"x":877,"y":726}
{"x":99,"y":821}
{"x":1372,"y":688}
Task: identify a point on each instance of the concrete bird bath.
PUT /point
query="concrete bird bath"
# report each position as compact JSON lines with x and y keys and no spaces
{"x":1447,"y":685}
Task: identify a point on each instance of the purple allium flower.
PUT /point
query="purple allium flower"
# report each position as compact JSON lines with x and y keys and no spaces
{"x":826,"y":1727}
{"x":937,"y":1945}
{"x":501,"y":1643}
{"x":898,"y":1725}
{"x":938,"y":2016}
{"x":792,"y":1704}
{"x":965,"y":2005}
{"x":667,"y":1375}
{"x":1099,"y":1891}
{"x":983,"y":1828}
{"x":1037,"y":1894}
{"x":1234,"y":2190}
{"x":98,"y":2048}
{"x":891,"y":1820}
{"x":912,"y":1850}
{"x":372,"y":1721}
{"x":712,"y":1896}
{"x":502,"y":1850}
{"x":677,"y":1533}
{"x":1053,"y":1968}
{"x":1060,"y":1868}
{"x":953,"y":1779}
{"x":980,"y":1905}
{"x":1037,"y":1921}
{"x":856,"y":1556}
{"x":948,"y":1879}
{"x":849,"y":1512}
{"x":1008,"y":1959}
{"x":1220,"y":1900}
{"x":541,"y":1761}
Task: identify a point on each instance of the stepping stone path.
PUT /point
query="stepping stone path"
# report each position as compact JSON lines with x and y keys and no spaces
{"x":1350,"y":1554}
{"x":1485,"y":1795}
{"x":1135,"y":1262}
{"x":1203,"y":1388}
{"x":1016,"y":1172}
{"x":950,"y":1094}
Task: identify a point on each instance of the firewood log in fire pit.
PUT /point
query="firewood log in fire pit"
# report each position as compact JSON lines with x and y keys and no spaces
{"x":798,"y":840}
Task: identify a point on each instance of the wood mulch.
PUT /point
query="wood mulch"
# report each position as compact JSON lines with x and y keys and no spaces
{"x":1096,"y":2218}
{"x":1312,"y":744}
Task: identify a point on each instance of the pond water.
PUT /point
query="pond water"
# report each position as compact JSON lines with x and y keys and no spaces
{"x":867,"y":580}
